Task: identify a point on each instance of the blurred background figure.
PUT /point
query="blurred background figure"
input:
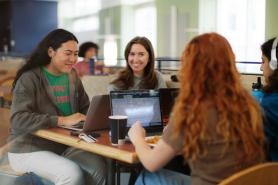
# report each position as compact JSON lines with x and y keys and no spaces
{"x":89,"y":64}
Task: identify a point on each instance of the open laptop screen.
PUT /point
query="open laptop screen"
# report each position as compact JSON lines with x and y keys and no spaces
{"x":141,"y":105}
{"x":167,"y":101}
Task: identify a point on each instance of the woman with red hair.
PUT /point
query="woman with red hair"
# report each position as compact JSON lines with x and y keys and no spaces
{"x":215,"y":124}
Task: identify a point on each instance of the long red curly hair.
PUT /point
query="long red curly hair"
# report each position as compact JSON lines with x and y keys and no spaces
{"x":209,"y":79}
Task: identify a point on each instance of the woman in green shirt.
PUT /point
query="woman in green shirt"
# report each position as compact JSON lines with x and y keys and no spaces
{"x":46,"y":93}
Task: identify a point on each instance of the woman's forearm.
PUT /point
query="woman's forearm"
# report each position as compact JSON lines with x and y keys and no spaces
{"x":156,"y":158}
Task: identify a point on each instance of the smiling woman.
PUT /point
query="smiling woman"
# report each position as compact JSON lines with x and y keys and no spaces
{"x":139,"y":72}
{"x":47,"y":92}
{"x":138,"y":59}
{"x":63,"y":59}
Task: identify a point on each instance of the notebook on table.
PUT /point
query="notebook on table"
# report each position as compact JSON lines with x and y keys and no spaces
{"x":141,"y":105}
{"x":96,"y":117}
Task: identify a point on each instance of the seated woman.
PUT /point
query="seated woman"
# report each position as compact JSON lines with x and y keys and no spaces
{"x":269,"y":100}
{"x":139,"y":72}
{"x":46,"y":93}
{"x":215,"y":124}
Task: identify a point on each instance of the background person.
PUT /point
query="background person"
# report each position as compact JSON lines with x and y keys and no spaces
{"x":206,"y":126}
{"x":48,"y":93}
{"x":270,"y":98}
{"x":87,"y":51}
{"x":139,"y":72}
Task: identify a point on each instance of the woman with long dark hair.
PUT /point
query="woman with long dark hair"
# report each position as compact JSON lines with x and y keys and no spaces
{"x":139,"y":72}
{"x":269,"y":100}
{"x":216,"y":125}
{"x":47,"y":93}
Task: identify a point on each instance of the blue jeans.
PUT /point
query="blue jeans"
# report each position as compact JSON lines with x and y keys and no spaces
{"x":31,"y":179}
{"x":162,"y":177}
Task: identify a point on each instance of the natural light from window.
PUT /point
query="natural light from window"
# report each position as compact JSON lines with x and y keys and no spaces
{"x":146,"y":28}
{"x":242,"y":22}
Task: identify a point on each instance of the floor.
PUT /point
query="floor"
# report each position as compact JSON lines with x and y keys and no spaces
{"x":6,"y":179}
{"x":124,"y":178}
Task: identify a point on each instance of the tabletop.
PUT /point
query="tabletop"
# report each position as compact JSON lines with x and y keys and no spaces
{"x":125,"y":153}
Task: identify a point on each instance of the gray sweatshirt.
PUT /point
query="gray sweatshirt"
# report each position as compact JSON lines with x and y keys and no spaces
{"x":137,"y":80}
{"x":33,"y":108}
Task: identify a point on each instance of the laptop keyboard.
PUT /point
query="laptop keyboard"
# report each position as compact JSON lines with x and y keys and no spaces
{"x":79,"y":125}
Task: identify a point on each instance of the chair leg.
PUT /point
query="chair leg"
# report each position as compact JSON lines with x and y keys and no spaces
{"x":118,"y":173}
{"x":134,"y":171}
{"x":7,"y":179}
{"x":132,"y":178}
{"x":118,"y":177}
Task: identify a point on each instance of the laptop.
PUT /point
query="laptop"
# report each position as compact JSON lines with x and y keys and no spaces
{"x":167,"y":101}
{"x":141,"y":105}
{"x":97,"y":116}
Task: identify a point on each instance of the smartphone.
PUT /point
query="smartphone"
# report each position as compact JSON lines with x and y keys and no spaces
{"x":74,"y":133}
{"x":94,"y":134}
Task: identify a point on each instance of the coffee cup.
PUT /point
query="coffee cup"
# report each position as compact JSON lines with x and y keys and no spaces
{"x":118,"y":129}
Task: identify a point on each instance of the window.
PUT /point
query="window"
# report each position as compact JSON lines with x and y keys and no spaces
{"x":78,"y":16}
{"x":143,"y":27}
{"x":242,"y":22}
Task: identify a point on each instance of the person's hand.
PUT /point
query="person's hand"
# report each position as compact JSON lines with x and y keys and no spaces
{"x":136,"y":132}
{"x":165,"y":128}
{"x":71,"y":120}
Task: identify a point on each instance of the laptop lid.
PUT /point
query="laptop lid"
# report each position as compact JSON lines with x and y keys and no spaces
{"x":141,"y":105}
{"x":96,"y":117}
{"x":167,"y":101}
{"x":98,"y":113}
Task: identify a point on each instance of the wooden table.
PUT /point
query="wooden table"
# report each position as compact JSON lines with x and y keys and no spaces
{"x":125,"y":153}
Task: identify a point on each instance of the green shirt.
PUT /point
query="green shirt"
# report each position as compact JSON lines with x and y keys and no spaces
{"x":60,"y":87}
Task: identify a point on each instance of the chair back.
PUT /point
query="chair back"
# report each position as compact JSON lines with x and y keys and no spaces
{"x":261,"y":174}
{"x":4,"y":125}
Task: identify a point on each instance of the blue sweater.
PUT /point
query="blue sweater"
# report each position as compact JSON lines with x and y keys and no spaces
{"x":270,"y":105}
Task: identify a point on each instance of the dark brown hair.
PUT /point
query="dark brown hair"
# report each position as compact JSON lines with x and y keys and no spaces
{"x":272,"y":85}
{"x":84,"y":47}
{"x":126,"y":76}
{"x":39,"y":57}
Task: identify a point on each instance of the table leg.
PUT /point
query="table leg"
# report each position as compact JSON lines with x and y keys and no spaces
{"x":118,"y":173}
{"x":111,"y":168}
